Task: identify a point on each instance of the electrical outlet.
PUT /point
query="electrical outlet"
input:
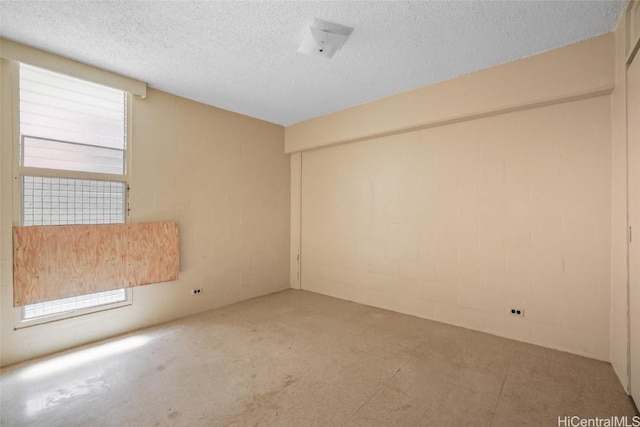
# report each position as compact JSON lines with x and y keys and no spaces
{"x":196,"y":291}
{"x":518,"y":312}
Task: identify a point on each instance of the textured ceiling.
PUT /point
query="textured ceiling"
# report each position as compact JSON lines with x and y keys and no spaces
{"x":241,"y":55}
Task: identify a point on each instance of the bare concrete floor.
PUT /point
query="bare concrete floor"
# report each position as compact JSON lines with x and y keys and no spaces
{"x":300,"y":359}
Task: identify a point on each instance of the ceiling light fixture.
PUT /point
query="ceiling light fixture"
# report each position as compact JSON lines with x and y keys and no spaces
{"x":324,"y":38}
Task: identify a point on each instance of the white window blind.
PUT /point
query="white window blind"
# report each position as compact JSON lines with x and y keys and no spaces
{"x":70,"y":124}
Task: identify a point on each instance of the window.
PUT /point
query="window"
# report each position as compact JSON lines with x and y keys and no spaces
{"x":73,"y":304}
{"x":71,"y":168}
{"x":70,"y":124}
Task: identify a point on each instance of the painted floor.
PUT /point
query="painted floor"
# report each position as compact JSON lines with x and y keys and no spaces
{"x":300,"y":359}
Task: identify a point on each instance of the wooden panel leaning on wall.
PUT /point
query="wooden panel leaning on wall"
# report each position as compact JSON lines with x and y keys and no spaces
{"x":60,"y":261}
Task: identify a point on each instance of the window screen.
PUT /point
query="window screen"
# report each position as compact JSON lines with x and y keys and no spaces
{"x":49,"y":308}
{"x":56,"y":201}
{"x":70,"y":124}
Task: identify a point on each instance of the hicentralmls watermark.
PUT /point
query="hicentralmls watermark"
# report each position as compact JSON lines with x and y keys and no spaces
{"x":576,"y":421}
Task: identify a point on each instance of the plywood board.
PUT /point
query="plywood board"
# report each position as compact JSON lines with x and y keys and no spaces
{"x":53,"y":262}
{"x":153,"y":253}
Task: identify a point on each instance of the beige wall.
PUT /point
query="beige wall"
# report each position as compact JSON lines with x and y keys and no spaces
{"x":619,"y":210}
{"x":225,"y":179}
{"x":459,"y":223}
{"x":460,"y":200}
{"x":575,"y":71}
{"x":294,"y":261}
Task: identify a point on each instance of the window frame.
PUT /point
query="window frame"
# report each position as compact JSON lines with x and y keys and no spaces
{"x":19,"y":171}
{"x":20,"y":322}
